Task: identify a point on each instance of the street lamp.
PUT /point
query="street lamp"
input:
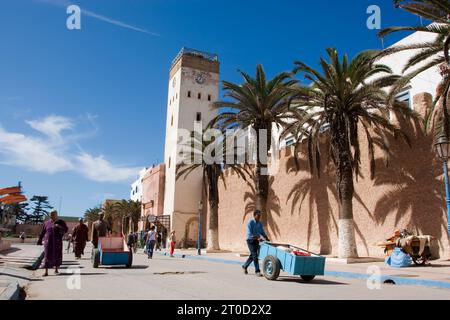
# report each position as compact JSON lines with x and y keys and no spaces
{"x":199,"y":240}
{"x":442,"y":147}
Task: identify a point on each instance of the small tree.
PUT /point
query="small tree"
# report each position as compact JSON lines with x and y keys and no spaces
{"x":130,"y":211}
{"x":110,"y":211}
{"x":19,"y":210}
{"x":41,"y":209}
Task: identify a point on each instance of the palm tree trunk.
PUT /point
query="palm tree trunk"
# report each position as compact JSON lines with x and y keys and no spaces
{"x":345,"y":188}
{"x":213,"y":229}
{"x":213,"y":200}
{"x":262,"y":190}
{"x":262,"y":173}
{"x":347,"y":241}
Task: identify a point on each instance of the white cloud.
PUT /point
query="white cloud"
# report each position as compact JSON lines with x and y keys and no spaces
{"x":52,"y":126}
{"x":31,"y":153}
{"x":100,"y":169}
{"x":56,"y":152}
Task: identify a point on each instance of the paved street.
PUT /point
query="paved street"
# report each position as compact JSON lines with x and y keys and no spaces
{"x":187,"y":279}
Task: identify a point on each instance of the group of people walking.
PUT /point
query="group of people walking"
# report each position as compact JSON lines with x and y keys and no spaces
{"x":154,"y":241}
{"x":55,"y":229}
{"x":52,"y":237}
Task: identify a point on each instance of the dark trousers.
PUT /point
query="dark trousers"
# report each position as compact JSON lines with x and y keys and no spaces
{"x":150,"y":247}
{"x":253,"y":246}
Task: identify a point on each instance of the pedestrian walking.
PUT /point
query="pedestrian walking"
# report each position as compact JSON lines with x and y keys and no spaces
{"x":131,"y":240}
{"x":145,"y":241}
{"x":80,"y":237}
{"x":100,"y":229}
{"x":51,"y":237}
{"x":158,"y":241}
{"x":136,"y":239}
{"x":172,"y":243}
{"x":164,"y":238}
{"x":22,"y":237}
{"x":69,"y":242}
{"x":255,"y":233}
{"x":151,"y":240}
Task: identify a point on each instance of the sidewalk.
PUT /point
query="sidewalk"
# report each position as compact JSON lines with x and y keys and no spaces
{"x":9,"y":290}
{"x":436,"y":275}
{"x":16,"y":269}
{"x":27,"y":256}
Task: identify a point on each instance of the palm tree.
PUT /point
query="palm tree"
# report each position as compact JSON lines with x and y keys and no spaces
{"x":110,"y":211}
{"x":92,"y":214}
{"x":257,"y":104}
{"x":135,"y":213}
{"x":427,"y":54}
{"x":344,"y":101}
{"x":212,"y":167}
{"x":129,"y":210}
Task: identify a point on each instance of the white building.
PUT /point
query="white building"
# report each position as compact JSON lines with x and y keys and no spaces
{"x":193,"y":87}
{"x":136,"y":186}
{"x":426,"y":81}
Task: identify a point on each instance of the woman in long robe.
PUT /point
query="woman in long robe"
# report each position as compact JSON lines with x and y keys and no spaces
{"x":52,"y":238}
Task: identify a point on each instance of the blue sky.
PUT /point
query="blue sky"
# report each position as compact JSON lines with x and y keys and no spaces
{"x":81,"y":111}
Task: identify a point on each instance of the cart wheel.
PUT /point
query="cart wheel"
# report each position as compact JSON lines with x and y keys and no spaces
{"x":95,"y":258}
{"x":130,"y":259}
{"x":307,"y":278}
{"x":271,"y":268}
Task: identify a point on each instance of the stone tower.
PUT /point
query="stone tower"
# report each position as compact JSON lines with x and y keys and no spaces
{"x":193,"y":87}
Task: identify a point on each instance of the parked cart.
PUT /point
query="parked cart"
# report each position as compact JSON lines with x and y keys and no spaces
{"x":112,"y":251}
{"x":418,"y":247}
{"x":296,"y":261}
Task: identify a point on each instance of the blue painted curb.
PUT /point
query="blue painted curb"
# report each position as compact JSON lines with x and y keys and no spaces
{"x":337,"y":274}
{"x":396,"y":279}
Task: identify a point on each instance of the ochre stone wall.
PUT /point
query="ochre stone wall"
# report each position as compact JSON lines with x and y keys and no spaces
{"x":31,"y":230}
{"x":303,"y":210}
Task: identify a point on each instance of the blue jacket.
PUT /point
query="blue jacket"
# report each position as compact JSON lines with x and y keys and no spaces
{"x":255,"y":229}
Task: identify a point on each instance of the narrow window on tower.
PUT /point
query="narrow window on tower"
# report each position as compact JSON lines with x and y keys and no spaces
{"x":171,"y":121}
{"x":170,"y":161}
{"x":209,"y":97}
{"x":198,"y":117}
{"x":199,"y":96}
{"x":189,"y":94}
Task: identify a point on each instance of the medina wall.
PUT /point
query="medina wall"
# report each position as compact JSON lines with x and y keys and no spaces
{"x":303,"y":210}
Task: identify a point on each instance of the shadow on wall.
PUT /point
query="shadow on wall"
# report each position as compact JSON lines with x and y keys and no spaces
{"x":414,"y":179}
{"x":318,"y":191}
{"x":273,"y":206}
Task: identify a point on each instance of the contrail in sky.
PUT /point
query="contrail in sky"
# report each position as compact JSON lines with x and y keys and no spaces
{"x":65,"y":3}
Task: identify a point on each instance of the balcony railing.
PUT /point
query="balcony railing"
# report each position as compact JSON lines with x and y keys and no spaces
{"x":192,"y":52}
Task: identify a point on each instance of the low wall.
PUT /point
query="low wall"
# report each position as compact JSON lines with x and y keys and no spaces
{"x":31,"y":230}
{"x":4,"y":245}
{"x":303,"y":210}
